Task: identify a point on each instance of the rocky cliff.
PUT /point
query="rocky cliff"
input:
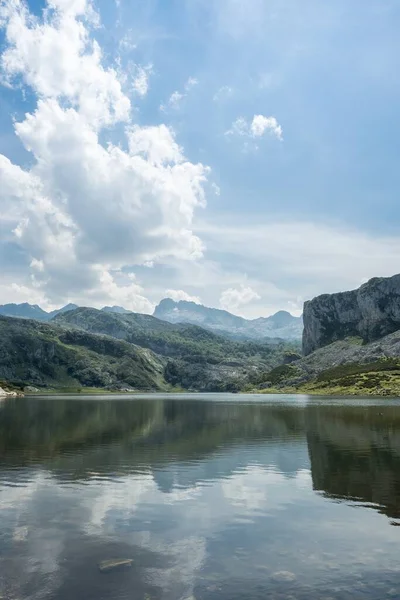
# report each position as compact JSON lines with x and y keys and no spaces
{"x":370,"y":312}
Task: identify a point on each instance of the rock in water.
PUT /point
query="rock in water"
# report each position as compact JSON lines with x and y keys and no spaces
{"x":110,"y":565}
{"x":370,"y":312}
{"x":283,"y":576}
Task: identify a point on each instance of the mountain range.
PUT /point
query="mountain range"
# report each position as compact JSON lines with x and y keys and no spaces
{"x":90,"y":348}
{"x":281,"y":325}
{"x":33,"y":311}
{"x":351,"y":345}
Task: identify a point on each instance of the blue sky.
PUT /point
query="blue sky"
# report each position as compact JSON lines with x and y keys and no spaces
{"x":291,"y":111}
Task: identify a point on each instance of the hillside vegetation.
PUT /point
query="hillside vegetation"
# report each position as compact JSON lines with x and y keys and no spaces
{"x":50,"y":356}
{"x":197,"y":359}
{"x":346,"y":367}
{"x":87,"y":348}
{"x":172,"y":340}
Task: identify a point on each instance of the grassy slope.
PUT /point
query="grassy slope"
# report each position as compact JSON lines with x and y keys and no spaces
{"x":47,"y":355}
{"x":172,"y":340}
{"x":343,"y":368}
{"x":381,"y":378}
{"x":87,"y":348}
{"x":197,"y":358}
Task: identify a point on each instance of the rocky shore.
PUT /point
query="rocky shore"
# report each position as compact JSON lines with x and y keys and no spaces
{"x":9,"y":393}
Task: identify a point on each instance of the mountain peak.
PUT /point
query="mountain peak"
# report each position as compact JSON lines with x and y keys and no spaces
{"x":282,"y":324}
{"x":23,"y":311}
{"x":116,"y":309}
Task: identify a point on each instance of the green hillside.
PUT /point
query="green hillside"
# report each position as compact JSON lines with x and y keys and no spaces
{"x":172,"y":340}
{"x":86,"y":348}
{"x":47,"y":356}
{"x":197,"y":358}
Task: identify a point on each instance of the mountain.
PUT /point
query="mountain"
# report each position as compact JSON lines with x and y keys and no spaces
{"x":281,"y":325}
{"x":198,"y":359}
{"x":369,"y":312}
{"x":62,"y":310}
{"x":351,"y":344}
{"x":115,"y":309}
{"x":24,"y":311}
{"x":32,"y":311}
{"x":51,"y":356}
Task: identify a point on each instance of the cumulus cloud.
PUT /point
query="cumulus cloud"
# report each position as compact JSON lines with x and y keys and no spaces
{"x":257,"y":127}
{"x":261,"y":124}
{"x":178,"y":295}
{"x":233,"y":298}
{"x":84,"y":210}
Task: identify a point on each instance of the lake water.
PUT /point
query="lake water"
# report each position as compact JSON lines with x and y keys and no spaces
{"x":212,"y":497}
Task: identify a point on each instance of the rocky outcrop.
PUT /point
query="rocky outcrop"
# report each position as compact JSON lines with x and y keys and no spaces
{"x":370,"y":312}
{"x":6,"y":393}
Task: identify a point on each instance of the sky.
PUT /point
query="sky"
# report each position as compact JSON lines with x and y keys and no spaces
{"x":241,"y":154}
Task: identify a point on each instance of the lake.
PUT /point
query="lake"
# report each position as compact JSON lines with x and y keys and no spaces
{"x":210,"y":496}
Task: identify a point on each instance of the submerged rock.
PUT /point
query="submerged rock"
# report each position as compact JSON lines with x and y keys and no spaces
{"x":283,"y":576}
{"x":119,"y":563}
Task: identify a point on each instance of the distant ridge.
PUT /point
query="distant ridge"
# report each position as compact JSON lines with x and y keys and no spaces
{"x":120,"y":310}
{"x":24,"y":311}
{"x":32,"y":311}
{"x":280,"y":325}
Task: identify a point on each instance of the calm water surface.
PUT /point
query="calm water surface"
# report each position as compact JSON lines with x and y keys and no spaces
{"x":213,"y":497}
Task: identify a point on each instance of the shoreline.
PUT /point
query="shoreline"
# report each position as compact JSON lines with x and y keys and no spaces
{"x":331,"y":392}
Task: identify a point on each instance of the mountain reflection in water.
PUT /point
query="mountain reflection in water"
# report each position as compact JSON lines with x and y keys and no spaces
{"x":212,"y":497}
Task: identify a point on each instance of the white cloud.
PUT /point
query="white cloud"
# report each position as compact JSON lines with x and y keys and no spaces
{"x":216,"y":188}
{"x":141,"y":80}
{"x":223,"y":93}
{"x":233,"y":298}
{"x":175,"y":100}
{"x":37,"y":264}
{"x":84,"y":210}
{"x":58,"y":59}
{"x":239,"y":127}
{"x":178,"y":295}
{"x":156,"y":144}
{"x":261,"y":124}
{"x":114,"y":289}
{"x":191,"y":82}
{"x":72,"y":8}
{"x":258,"y":126}
{"x":14,"y":292}
{"x":302,"y":259}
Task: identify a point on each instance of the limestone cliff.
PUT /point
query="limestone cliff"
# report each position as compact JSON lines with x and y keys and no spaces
{"x":370,"y":312}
